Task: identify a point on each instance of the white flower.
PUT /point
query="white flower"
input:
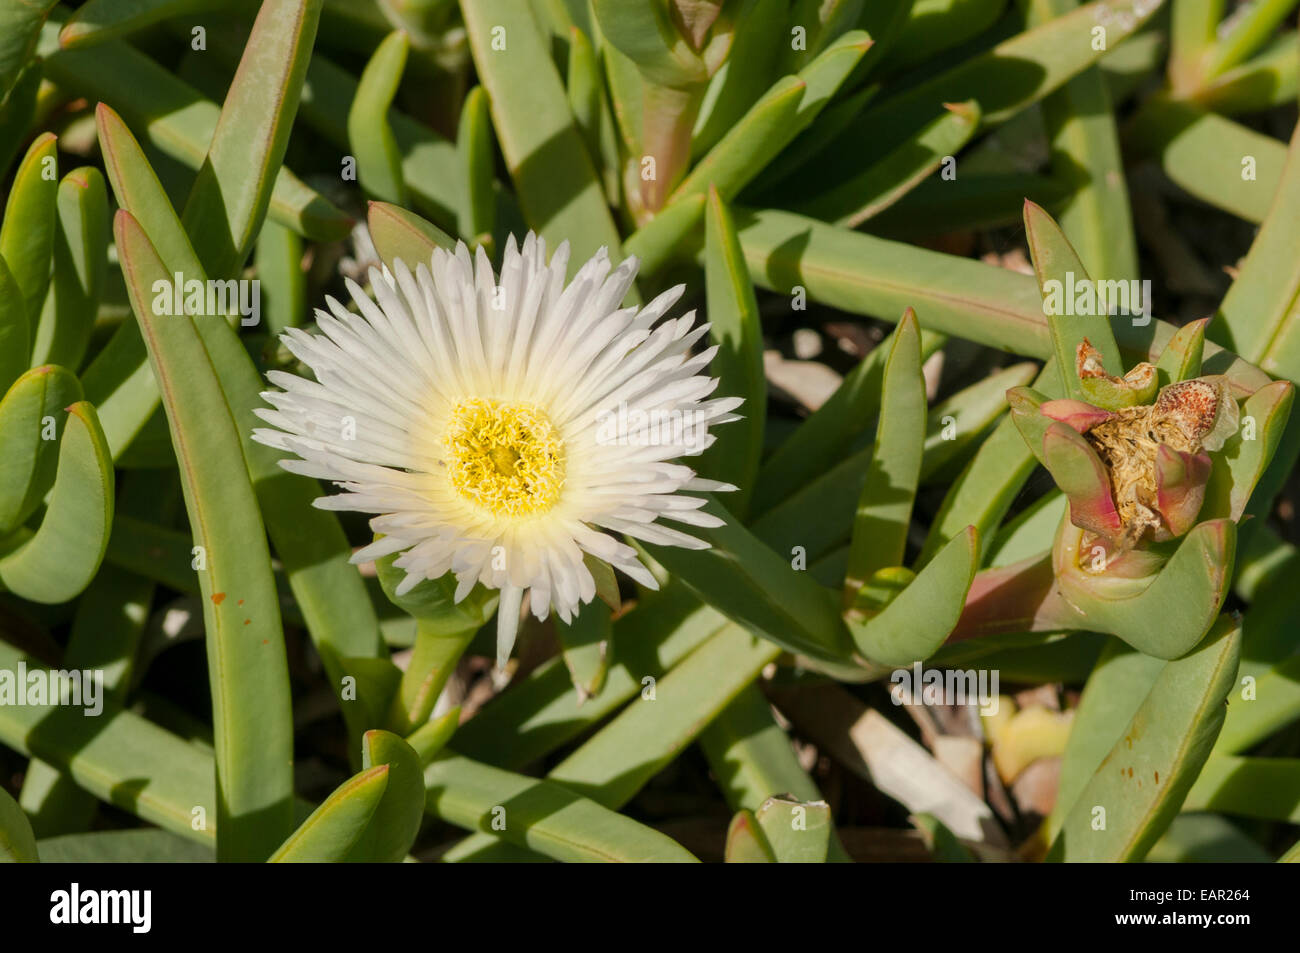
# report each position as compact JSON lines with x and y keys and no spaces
{"x":498,"y":429}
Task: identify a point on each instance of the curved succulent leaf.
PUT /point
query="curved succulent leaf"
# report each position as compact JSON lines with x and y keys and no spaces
{"x":395,"y":821}
{"x":33,"y":414}
{"x":333,"y":829}
{"x":62,"y":557}
{"x":1165,"y":617}
{"x":918,"y":620}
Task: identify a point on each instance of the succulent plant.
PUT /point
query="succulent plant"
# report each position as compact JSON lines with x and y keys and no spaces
{"x":315,"y":258}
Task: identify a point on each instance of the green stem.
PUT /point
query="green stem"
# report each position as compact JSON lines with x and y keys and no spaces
{"x":433,"y":660}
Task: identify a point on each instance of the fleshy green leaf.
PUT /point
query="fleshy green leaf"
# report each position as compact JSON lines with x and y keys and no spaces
{"x":1204,"y":154}
{"x":27,"y":229}
{"x":105,"y":636}
{"x":100,"y":20}
{"x":247,"y":665}
{"x":646,"y":34}
{"x":885,"y":505}
{"x":752,"y":758}
{"x":32,"y":418}
{"x":819,"y":515}
{"x":1263,"y":82}
{"x":1274,"y":705}
{"x":1141,"y":783}
{"x":542,"y":712}
{"x":541,"y":815}
{"x":17,"y":842}
{"x":1245,"y":34}
{"x":746,"y":843}
{"x":933,"y":26}
{"x":16,"y":113}
{"x":619,"y":759}
{"x":648,"y":734}
{"x":1181,"y":358}
{"x":80,"y":260}
{"x":776,"y":119}
{"x":1169,"y":615}
{"x":62,"y":557}
{"x":1256,"y":314}
{"x":402,"y":235}
{"x":284,"y":285}
{"x":1059,"y":270}
{"x":308,"y":540}
{"x":883,"y":183}
{"x":994,"y":306}
{"x":431,"y":737}
{"x":396,"y":819}
{"x":798,"y":832}
{"x":430,"y":167}
{"x":745,"y":580}
{"x":1206,"y":838}
{"x":232,"y":191}
{"x":333,"y":829}
{"x":1013,"y":75}
{"x":370,"y":136}
{"x":1265,"y":788}
{"x":20,"y":27}
{"x":134,"y":845}
{"x":786,"y":109}
{"x":918,"y":619}
{"x":1086,"y":155}
{"x":735,"y":327}
{"x":986,"y":488}
{"x":958,"y":423}
{"x":433,"y":659}
{"x":584,"y":643}
{"x":558,"y":189}
{"x":817,"y":444}
{"x":119,"y":757}
{"x":1119,"y":682}
{"x":1193,"y":26}
{"x":474,"y":148}
{"x":181,"y":123}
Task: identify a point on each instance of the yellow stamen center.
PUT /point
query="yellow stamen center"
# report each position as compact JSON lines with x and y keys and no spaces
{"x":506,"y":458}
